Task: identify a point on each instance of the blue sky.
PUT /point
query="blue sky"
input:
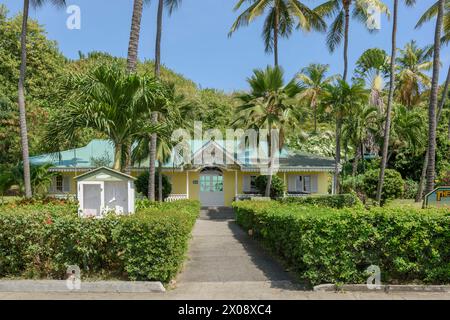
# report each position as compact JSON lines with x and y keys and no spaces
{"x":195,"y":41}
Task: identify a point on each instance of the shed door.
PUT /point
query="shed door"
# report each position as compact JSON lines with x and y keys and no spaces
{"x":92,"y":194}
{"x":116,"y":196}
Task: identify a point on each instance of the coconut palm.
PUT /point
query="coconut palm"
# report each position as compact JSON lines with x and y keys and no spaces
{"x":171,"y":5}
{"x":434,"y":99}
{"x":21,"y":88}
{"x":387,"y":124}
{"x":268,"y":105}
{"x":133,"y":43}
{"x":339,"y":28}
{"x":282,"y":17}
{"x":110,"y":101}
{"x":341,"y":99}
{"x":426,"y":17}
{"x":312,"y":79}
{"x":413,"y":64}
{"x":357,"y":128}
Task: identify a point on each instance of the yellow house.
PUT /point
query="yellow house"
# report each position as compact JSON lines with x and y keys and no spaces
{"x":213,"y":176}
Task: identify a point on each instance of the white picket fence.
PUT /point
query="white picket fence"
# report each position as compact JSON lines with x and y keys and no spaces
{"x":176,"y":197}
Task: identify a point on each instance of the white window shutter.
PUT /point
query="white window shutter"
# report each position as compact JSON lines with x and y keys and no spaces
{"x":292,"y":183}
{"x":53,"y":185}
{"x":66,"y":184}
{"x":307,"y":182}
{"x":246,"y":183}
{"x":314,"y":183}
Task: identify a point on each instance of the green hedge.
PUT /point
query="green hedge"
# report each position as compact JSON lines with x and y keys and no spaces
{"x":332,"y":201}
{"x":40,"y":241}
{"x":326,"y":245}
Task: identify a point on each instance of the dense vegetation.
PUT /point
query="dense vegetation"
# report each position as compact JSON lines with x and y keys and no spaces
{"x":40,"y":240}
{"x":325,"y":245}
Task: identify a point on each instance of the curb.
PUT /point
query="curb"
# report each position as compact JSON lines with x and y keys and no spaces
{"x":382,"y":288}
{"x":84,"y":287}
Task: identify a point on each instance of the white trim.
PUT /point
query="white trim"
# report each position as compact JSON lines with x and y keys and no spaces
{"x":187,"y":183}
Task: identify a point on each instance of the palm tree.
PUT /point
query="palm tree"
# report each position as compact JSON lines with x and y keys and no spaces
{"x":172,"y":5}
{"x":433,"y":99}
{"x":357,"y":128}
{"x":313,"y":79}
{"x":413,"y":62}
{"x":21,"y":90}
{"x":282,"y":17}
{"x":387,"y":124}
{"x":426,"y":17}
{"x":342,"y":98}
{"x":269,"y":106}
{"x":133,"y":44}
{"x":373,"y":67}
{"x":110,"y":101}
{"x":339,"y":28}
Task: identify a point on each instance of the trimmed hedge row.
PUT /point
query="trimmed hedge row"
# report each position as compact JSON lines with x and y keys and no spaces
{"x":338,"y":201}
{"x":325,"y":245}
{"x":41,"y":241}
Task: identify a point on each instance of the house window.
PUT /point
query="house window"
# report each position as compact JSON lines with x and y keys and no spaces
{"x":303,"y":184}
{"x":59,"y":183}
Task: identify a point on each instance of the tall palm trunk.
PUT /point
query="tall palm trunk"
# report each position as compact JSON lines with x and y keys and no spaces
{"x":419,"y":194}
{"x":154,"y":138}
{"x":433,"y":101}
{"x":118,"y":156}
{"x":346,"y":34}
{"x":387,"y":125}
{"x":21,"y":101}
{"x":132,"y":57}
{"x":134,"y":35}
{"x":338,"y":153}
{"x":275,"y":34}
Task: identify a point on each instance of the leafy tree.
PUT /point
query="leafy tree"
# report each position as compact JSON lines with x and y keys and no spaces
{"x":277,"y":187}
{"x":142,"y":185}
{"x":393,"y":184}
{"x":282,"y":17}
{"x":109,"y":101}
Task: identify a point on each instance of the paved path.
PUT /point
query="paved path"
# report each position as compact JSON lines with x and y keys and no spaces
{"x":225,"y":263}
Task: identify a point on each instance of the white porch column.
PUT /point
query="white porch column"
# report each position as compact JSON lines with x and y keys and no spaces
{"x":187,"y":184}
{"x":333,"y":189}
{"x":235,"y":184}
{"x":285,"y":184}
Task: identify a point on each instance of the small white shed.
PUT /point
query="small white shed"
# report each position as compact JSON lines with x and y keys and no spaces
{"x":104,"y":190}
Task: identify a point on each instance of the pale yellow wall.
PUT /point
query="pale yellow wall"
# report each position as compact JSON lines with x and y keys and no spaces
{"x":178,"y":180}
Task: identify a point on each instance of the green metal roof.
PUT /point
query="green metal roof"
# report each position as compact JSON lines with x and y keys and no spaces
{"x":87,"y":157}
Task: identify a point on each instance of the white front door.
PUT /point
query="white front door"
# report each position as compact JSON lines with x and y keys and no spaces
{"x":92,"y":199}
{"x":211,"y":189}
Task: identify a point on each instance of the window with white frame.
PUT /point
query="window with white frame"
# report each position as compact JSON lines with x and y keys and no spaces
{"x":61,"y":184}
{"x":302,"y":184}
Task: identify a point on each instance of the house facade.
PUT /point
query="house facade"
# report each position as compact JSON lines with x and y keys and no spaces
{"x":213,"y":176}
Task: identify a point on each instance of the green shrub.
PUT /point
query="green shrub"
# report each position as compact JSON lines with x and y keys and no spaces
{"x":142,"y":185}
{"x":330,"y":201}
{"x":353,"y":184}
{"x":324,"y":245}
{"x":277,"y":188}
{"x":392,"y":187}
{"x":411,"y":188}
{"x":42,"y":240}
